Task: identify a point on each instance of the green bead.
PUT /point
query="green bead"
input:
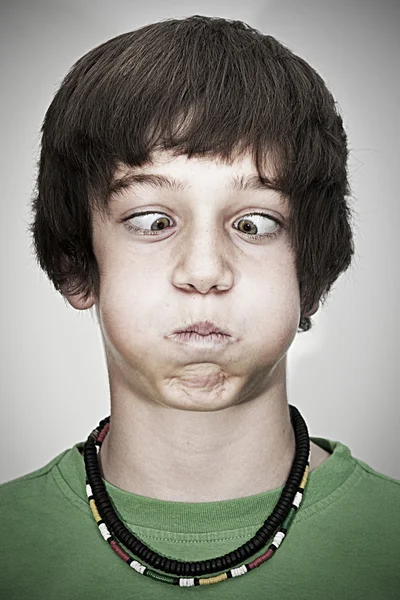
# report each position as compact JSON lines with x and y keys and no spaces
{"x":159,"y":577}
{"x":289,"y":518}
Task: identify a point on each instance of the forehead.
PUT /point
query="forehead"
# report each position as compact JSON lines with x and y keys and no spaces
{"x":178,"y":173}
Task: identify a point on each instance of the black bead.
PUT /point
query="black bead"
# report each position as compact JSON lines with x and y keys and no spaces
{"x":298,"y":472}
{"x":98,"y":489}
{"x":157,"y":562}
{"x":172,"y":567}
{"x":104,"y":507}
{"x":91,"y":464}
{"x":280,"y":513}
{"x":123,"y":536}
{"x":208,"y":566}
{"x":227,"y":559}
{"x":167,"y":566}
{"x":147,"y":556}
{"x":136,"y":547}
{"x":257,"y":543}
{"x":263,"y":539}
{"x":286,"y":504}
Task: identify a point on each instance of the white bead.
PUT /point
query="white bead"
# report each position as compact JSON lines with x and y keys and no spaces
{"x":104,"y":531}
{"x":297,"y":499}
{"x":278,"y":539}
{"x":137,"y":566}
{"x":239,"y":571}
{"x":88,"y":490}
{"x":186,"y":582}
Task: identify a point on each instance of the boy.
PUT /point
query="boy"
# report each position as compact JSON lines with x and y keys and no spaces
{"x":192,"y":191}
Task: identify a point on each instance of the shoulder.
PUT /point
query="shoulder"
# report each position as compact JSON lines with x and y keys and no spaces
{"x":355,"y":493}
{"x":32,"y":508}
{"x":41,"y":527}
{"x":30,"y":488}
{"x":345,"y":461}
{"x":33,"y":475}
{"x":381,"y":487}
{"x":370,"y":502}
{"x":381,"y":477}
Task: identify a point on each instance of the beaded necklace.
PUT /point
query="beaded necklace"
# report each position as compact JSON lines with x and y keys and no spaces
{"x":192,"y":573}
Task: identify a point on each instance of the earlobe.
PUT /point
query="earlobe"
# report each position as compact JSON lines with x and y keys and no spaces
{"x":79,"y":302}
{"x":314,"y":309}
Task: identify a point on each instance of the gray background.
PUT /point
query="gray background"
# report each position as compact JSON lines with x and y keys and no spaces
{"x":343,"y":375}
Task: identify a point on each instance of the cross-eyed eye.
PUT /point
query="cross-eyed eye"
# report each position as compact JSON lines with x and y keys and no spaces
{"x":268,"y":225}
{"x":149,"y":225}
{"x":255,"y":225}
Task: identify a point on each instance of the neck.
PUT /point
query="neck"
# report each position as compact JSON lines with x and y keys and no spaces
{"x":185,"y":456}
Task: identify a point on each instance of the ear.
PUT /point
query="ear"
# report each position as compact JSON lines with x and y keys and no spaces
{"x":313,"y":310}
{"x":79,"y":302}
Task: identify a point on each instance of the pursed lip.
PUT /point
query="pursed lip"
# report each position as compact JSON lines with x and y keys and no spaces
{"x":202,"y":328}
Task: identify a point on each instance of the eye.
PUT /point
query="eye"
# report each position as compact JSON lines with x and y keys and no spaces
{"x":150,"y":226}
{"x":268,"y":225}
{"x":250,"y":224}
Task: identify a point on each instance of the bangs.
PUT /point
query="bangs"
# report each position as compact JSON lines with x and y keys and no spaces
{"x":194,"y":87}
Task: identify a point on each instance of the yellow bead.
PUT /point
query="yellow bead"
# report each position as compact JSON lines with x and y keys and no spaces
{"x":305,"y":477}
{"x":211,"y":580}
{"x":95,"y":511}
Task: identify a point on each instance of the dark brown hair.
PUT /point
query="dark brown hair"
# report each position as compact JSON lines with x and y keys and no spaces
{"x":196,"y":86}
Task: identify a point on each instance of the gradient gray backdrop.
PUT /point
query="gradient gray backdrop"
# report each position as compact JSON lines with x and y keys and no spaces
{"x":343,"y":375}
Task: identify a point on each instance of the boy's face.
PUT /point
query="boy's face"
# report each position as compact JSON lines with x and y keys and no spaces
{"x":201,"y":265}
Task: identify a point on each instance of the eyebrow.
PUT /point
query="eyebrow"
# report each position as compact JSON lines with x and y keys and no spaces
{"x":136,"y":180}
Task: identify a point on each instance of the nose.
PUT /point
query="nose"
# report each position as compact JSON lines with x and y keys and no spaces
{"x":203,"y":263}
